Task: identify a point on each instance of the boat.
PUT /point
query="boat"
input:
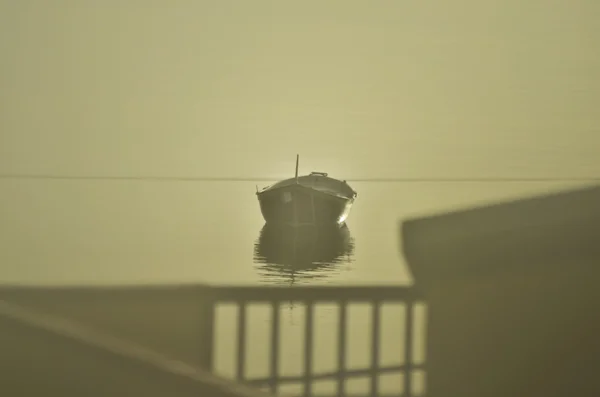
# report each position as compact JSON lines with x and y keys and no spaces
{"x":314,"y":199}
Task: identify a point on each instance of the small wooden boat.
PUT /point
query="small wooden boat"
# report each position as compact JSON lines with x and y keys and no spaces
{"x":307,"y":200}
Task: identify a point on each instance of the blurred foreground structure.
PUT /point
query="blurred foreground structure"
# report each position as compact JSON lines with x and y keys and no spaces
{"x":512,"y":299}
{"x":513,"y":295}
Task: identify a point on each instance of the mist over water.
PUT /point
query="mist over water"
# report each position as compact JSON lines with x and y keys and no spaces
{"x":133,"y":135}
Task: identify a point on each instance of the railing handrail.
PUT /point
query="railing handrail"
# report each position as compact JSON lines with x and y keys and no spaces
{"x":255,"y":293}
{"x":325,"y":293}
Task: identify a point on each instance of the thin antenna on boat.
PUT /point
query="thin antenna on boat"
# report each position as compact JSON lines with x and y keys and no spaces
{"x":297,"y":160}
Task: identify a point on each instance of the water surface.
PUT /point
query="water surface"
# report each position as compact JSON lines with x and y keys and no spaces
{"x":124,"y":232}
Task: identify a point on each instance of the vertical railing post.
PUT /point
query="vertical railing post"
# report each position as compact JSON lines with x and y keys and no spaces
{"x":241,"y":341}
{"x":274,"y":364}
{"x":342,"y":321}
{"x":207,"y":326}
{"x":308,"y":347}
{"x":408,"y":348}
{"x":375,"y":325}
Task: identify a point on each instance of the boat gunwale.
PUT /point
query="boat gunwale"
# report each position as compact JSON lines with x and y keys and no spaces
{"x":273,"y":188}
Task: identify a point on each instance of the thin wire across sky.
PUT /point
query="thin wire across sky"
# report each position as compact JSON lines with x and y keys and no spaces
{"x":262,"y":179}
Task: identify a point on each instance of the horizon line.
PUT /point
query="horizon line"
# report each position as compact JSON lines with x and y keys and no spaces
{"x":265,"y":179}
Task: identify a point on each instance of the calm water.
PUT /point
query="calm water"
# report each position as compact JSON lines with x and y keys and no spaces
{"x":131,"y":232}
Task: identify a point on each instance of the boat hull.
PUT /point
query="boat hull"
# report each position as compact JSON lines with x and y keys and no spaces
{"x":300,"y":205}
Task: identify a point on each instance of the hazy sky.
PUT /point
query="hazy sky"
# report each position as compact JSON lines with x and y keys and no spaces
{"x":358,"y":88}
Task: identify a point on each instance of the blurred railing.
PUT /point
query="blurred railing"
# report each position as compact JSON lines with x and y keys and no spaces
{"x":310,"y":297}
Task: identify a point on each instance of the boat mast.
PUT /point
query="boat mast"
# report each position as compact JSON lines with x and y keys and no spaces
{"x":297,"y":160}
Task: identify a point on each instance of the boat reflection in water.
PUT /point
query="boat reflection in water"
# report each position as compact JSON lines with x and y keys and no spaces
{"x":285,"y":253}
